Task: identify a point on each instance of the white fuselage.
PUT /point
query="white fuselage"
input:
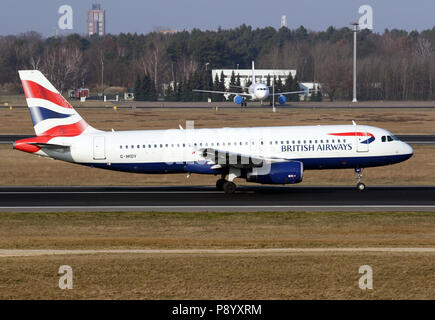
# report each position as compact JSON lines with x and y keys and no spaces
{"x":168,"y":151}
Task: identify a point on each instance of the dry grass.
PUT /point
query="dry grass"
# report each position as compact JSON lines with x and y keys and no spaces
{"x":214,"y":230}
{"x":406,"y":121}
{"x":284,"y":276}
{"x":218,"y":276}
{"x":17,"y":168}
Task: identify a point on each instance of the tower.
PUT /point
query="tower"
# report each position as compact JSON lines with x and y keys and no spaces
{"x":96,"y":23}
{"x":284,"y":21}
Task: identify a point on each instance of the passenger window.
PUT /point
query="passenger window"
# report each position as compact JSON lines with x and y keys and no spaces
{"x":138,"y":146}
{"x":120,"y":147}
{"x":132,"y":147}
{"x":126,"y":147}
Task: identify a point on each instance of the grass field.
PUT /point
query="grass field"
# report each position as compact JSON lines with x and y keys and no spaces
{"x":218,"y":276}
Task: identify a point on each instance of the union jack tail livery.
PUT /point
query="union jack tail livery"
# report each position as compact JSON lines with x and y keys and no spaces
{"x":51,"y":114}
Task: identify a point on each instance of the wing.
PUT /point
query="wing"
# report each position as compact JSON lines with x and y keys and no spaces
{"x":225,"y":159}
{"x":224,"y":92}
{"x":289,"y":92}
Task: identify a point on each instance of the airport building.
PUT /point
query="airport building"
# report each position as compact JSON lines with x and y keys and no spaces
{"x":260,"y":75}
{"x":96,"y":23}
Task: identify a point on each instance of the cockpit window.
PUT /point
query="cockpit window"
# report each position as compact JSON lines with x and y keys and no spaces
{"x":384,"y":138}
{"x":389,"y":138}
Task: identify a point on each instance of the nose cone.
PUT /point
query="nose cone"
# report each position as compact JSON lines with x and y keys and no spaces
{"x":407,"y":150}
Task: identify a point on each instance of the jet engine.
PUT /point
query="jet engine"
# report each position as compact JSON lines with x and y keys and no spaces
{"x":238,"y":99}
{"x":277,"y":173}
{"x":282,"y":99}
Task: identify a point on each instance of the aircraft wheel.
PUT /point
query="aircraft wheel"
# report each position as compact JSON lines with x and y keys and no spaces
{"x":220,"y":184}
{"x":360,"y":186}
{"x":229,"y":187}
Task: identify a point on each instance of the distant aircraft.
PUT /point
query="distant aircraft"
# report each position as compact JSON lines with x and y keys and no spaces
{"x":256,"y":91}
{"x":266,"y":155}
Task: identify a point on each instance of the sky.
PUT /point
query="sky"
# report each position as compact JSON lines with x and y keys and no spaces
{"x":143,"y":16}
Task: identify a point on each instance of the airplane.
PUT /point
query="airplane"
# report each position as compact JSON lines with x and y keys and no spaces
{"x":256,"y":91}
{"x":265,"y":155}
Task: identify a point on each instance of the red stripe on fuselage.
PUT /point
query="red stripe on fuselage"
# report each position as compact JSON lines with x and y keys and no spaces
{"x":34,"y":90}
{"x":352,"y":134}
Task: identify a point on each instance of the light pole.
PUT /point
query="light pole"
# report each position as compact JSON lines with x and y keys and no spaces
{"x":206,"y":66}
{"x":355,"y":30}
{"x":237,"y":67}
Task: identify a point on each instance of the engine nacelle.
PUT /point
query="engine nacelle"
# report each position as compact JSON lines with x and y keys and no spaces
{"x":238,"y":99}
{"x":277,"y":173}
{"x":282,"y":99}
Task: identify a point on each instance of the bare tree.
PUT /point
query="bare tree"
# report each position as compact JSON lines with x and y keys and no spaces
{"x":63,"y":66}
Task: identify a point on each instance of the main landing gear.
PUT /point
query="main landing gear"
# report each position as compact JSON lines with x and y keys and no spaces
{"x":360,"y":186}
{"x":228,"y":186}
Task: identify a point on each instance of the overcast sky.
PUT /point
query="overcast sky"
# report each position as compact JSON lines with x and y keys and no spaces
{"x":143,"y":16}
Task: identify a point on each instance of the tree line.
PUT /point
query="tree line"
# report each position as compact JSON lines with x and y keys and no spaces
{"x":393,"y":65}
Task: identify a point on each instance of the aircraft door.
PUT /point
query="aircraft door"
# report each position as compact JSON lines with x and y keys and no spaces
{"x":362,"y":144}
{"x":99,"y":148}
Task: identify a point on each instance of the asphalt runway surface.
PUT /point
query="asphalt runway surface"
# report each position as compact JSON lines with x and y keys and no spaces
{"x":247,"y":198}
{"x":411,"y":139}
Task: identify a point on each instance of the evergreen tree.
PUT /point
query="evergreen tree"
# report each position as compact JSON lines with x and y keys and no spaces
{"x":222,"y":86}
{"x":216,"y":97}
{"x":268,"y":80}
{"x":233,"y":82}
{"x":238,"y":83}
{"x":138,"y":93}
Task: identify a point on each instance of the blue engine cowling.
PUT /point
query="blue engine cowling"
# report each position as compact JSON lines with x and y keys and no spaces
{"x":277,"y":173}
{"x":282,"y":99}
{"x":238,"y":99}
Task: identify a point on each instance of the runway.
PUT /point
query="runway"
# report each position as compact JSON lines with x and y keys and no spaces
{"x":247,"y":198}
{"x":412,"y":139}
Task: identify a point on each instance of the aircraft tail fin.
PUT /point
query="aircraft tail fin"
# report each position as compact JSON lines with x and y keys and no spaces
{"x":51,"y":114}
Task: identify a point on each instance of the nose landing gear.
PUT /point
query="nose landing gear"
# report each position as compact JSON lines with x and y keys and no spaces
{"x":360,"y":186}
